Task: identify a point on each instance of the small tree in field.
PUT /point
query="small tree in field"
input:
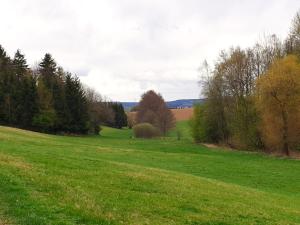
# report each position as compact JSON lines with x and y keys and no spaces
{"x":279,"y":103}
{"x":153,"y":109}
{"x":165,"y":119}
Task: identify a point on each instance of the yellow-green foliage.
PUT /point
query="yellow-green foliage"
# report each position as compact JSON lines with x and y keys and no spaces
{"x":145,"y":130}
{"x":278,"y":100}
{"x":197,"y":124}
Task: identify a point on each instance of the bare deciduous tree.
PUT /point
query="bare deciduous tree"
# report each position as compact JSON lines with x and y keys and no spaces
{"x":153,"y":109}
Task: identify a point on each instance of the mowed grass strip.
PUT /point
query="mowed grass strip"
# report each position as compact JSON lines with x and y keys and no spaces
{"x":115,"y":179}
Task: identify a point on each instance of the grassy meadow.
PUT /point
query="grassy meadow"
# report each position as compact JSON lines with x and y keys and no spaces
{"x":116,"y":179}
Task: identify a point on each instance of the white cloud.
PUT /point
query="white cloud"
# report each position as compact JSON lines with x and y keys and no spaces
{"x":122,"y":48}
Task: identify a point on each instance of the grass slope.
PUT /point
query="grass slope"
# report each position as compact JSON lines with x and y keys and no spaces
{"x":114,"y":179}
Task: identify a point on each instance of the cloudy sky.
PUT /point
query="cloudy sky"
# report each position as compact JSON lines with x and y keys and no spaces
{"x":124,"y":47}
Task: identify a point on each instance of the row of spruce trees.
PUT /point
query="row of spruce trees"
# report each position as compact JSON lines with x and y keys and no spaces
{"x":49,"y":99}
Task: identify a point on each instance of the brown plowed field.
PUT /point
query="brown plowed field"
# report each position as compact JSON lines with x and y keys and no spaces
{"x":180,"y":114}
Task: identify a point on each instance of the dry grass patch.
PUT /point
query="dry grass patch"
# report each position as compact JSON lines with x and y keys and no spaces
{"x":24,"y":133}
{"x":7,"y":160}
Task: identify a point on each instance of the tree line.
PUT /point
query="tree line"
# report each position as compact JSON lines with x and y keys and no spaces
{"x":49,"y":99}
{"x":253,"y":96}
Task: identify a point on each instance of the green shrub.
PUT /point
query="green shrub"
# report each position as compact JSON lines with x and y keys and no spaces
{"x":145,"y":130}
{"x":95,"y":129}
{"x":197,"y":124}
{"x":45,"y":120}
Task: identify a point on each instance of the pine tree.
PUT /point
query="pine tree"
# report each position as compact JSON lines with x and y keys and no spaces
{"x":46,"y":117}
{"x":53,"y":80}
{"x":59,"y":100}
{"x":30,"y":101}
{"x":7,"y":89}
{"x":20,"y":64}
{"x":120,"y":118}
{"x":20,"y":70}
{"x":76,"y":101}
{"x":47,"y":71}
{"x":4,"y":61}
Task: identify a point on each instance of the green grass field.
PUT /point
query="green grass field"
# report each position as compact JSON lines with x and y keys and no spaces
{"x":115,"y":179}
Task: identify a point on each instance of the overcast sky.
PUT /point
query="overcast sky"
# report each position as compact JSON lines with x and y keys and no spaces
{"x":124,"y":47}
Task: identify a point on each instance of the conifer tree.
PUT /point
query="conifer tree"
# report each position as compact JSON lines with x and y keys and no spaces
{"x":59,"y":100}
{"x":120,"y":118}
{"x":22,"y":90}
{"x":20,"y":64}
{"x":4,"y":61}
{"x":29,"y":101}
{"x":77,"y":106}
{"x":53,"y":80}
{"x":8,"y":89}
{"x":47,"y":70}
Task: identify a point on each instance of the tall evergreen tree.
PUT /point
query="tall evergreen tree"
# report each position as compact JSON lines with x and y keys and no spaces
{"x":53,"y":80}
{"x":77,"y":106}
{"x":59,"y":100}
{"x":22,"y":90}
{"x":29,"y":101}
{"x":20,"y":64}
{"x":46,"y":117}
{"x":4,"y":61}
{"x":8,"y":89}
{"x":120,"y":115}
{"x":47,"y":71}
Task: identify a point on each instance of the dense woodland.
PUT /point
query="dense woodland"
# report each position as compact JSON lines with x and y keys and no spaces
{"x":253,"y":96}
{"x":49,"y":99}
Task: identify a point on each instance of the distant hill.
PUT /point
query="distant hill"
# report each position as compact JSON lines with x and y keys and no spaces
{"x":184,"y":103}
{"x":177,"y":104}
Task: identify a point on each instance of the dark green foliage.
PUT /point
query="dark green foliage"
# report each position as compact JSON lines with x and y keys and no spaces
{"x":26,"y":92}
{"x":77,"y":106}
{"x":97,"y":129}
{"x":52,"y":79}
{"x":47,"y":71}
{"x":29,"y":98}
{"x":59,"y":102}
{"x":95,"y":110}
{"x":8,"y":93}
{"x":120,"y":119}
{"x":44,"y":121}
{"x":20,"y":64}
{"x":48,"y":100}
